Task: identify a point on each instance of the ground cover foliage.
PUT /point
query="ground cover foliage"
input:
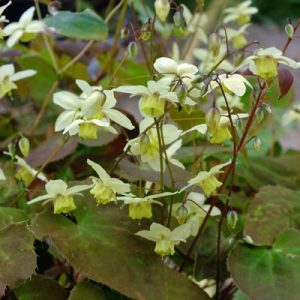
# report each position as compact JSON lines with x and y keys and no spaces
{"x":143,"y":154}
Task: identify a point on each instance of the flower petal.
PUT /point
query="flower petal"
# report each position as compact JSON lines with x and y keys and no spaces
{"x":23,"y":74}
{"x":99,"y":170}
{"x":14,"y":38}
{"x":119,"y":118}
{"x":27,"y":16}
{"x":165,"y":65}
{"x":55,"y":187}
{"x":66,"y":100}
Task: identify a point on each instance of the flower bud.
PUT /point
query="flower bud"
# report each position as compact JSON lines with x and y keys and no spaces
{"x":289,"y":29}
{"x":214,"y":44}
{"x":11,"y":150}
{"x":259,"y":115}
{"x":124,"y":33}
{"x":212,"y":119}
{"x":132,"y":50}
{"x":182,"y":214}
{"x":232,"y":219}
{"x":181,"y":93}
{"x":240,"y":126}
{"x":257,"y":144}
{"x":24,"y":146}
{"x":178,"y":18}
{"x":146,"y":31}
{"x":162,"y":9}
{"x":247,"y":239}
{"x":266,"y":107}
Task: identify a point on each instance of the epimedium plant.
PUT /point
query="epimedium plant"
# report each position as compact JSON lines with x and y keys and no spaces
{"x":181,"y":192}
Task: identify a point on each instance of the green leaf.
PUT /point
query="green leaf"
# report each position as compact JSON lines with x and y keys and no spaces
{"x":87,"y":291}
{"x":41,"y":288}
{"x":102,"y":245}
{"x":273,"y":209}
{"x":268,"y":273}
{"x":17,"y":258}
{"x":85,"y":25}
{"x":39,"y":85}
{"x":261,"y":171}
{"x":10,"y":215}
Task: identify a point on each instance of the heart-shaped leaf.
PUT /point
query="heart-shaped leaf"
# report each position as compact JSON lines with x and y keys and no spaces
{"x":85,"y":25}
{"x":102,"y":245}
{"x":17,"y":258}
{"x":87,"y":291}
{"x":268,"y":273}
{"x":273,"y":209}
{"x":41,"y":288}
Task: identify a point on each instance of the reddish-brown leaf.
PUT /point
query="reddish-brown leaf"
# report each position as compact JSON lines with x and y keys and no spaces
{"x":285,"y":81}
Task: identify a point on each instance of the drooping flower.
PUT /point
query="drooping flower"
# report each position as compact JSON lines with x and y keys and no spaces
{"x":265,"y":63}
{"x":236,"y":36}
{"x":234,"y":83}
{"x":85,"y":113}
{"x":147,"y":144}
{"x":25,"y":30}
{"x":61,"y":196}
{"x":196,"y":210}
{"x":141,"y":207}
{"x":106,"y":188}
{"x":165,"y":239}
{"x":8,"y":77}
{"x":153,"y":97}
{"x":240,"y":13}
{"x":221,"y":133}
{"x":3,"y":18}
{"x":26,"y":173}
{"x":169,"y":68}
{"x":207,"y":180}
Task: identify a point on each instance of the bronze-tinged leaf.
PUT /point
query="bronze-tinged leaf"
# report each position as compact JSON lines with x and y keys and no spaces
{"x":268,"y":273}
{"x":17,"y":257}
{"x":41,"y":288}
{"x":87,"y":291}
{"x":273,"y":209}
{"x":40,"y":155}
{"x":103,"y":246}
{"x":285,"y":81}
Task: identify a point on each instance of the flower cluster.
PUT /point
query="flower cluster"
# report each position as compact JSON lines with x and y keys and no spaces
{"x":213,"y":91}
